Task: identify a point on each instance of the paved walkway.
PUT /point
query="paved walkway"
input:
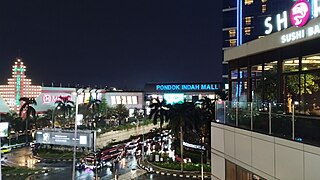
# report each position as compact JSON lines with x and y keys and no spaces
{"x":132,"y":174}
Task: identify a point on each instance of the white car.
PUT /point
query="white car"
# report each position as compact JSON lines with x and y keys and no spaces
{"x":131,"y":148}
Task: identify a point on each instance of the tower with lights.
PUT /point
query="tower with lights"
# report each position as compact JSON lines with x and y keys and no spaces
{"x":18,"y":86}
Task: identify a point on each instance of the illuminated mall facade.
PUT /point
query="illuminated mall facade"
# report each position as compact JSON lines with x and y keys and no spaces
{"x":270,"y":127}
{"x":19,"y":86}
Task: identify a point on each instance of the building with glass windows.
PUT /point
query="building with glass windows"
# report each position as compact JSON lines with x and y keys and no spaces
{"x":270,"y":127}
{"x":246,"y":20}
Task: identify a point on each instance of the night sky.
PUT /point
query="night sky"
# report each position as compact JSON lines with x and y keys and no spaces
{"x":119,"y":43}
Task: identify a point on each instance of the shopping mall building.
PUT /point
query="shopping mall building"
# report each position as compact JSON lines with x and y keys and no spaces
{"x":180,"y":92}
{"x":270,"y":128}
{"x":19,"y":86}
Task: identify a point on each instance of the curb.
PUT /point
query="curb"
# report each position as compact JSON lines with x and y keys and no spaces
{"x":174,"y":174}
{"x":18,"y":145}
{"x":28,"y":174}
{"x":52,"y":160}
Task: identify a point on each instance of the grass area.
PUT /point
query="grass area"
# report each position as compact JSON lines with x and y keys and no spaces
{"x":58,"y":154}
{"x":16,"y":171}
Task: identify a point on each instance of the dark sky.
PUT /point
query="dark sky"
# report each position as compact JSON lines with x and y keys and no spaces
{"x":120,"y":43}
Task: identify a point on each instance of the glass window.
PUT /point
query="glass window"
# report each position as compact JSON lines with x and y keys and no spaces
{"x":134,"y":99}
{"x":248,"y":2}
{"x":310,"y":93}
{"x":269,"y":84}
{"x":292,"y":90}
{"x":118,"y":98}
{"x":123,"y":100}
{"x":311,"y":62}
{"x":232,"y":33}
{"x":242,"y":85}
{"x":271,"y":67}
{"x":233,"y":42}
{"x":291,"y":65}
{"x":113,"y":100}
{"x":235,"y":90}
{"x":234,"y":74}
{"x":247,"y":31}
{"x":129,"y":100}
{"x":230,"y":171}
{"x":243,"y":73}
{"x":248,"y":20}
{"x":256,"y":76}
{"x":243,"y":174}
{"x":264,"y":8}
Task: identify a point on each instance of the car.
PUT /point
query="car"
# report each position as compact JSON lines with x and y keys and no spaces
{"x":34,"y":145}
{"x":80,"y":165}
{"x":5,"y":149}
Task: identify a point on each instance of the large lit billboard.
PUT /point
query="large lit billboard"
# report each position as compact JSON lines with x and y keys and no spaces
{"x":173,"y":98}
{"x":65,"y":137}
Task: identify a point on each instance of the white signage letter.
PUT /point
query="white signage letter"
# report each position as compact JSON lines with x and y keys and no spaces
{"x":268,"y":25}
{"x":283,"y":20}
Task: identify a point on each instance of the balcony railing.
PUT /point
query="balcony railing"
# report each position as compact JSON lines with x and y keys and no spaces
{"x":274,"y":119}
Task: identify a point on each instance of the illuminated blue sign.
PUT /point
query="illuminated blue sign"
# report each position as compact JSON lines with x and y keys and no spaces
{"x":187,"y":87}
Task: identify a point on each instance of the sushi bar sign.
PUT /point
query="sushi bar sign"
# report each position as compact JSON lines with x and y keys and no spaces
{"x":299,"y":16}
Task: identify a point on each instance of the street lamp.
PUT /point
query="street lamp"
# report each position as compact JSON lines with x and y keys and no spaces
{"x":201,"y":139}
{"x":75,"y":139}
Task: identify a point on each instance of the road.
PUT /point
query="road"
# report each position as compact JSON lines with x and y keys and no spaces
{"x":20,"y":157}
{"x":63,"y":170}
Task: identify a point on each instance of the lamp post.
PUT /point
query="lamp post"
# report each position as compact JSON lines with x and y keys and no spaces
{"x":75,"y":139}
{"x":202,"y":160}
{"x":52,"y":118}
{"x":201,"y":139}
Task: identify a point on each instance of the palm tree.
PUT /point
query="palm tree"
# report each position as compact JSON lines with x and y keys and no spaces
{"x":65,"y":105}
{"x":30,"y":112}
{"x":159,"y":110}
{"x":44,"y":121}
{"x":93,"y":108}
{"x":121,"y":112}
{"x":182,"y":117}
{"x":206,"y":112}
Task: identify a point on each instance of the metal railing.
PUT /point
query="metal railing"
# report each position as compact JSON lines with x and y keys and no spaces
{"x":275,"y":119}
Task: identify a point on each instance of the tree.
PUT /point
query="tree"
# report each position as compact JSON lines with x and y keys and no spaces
{"x":159,"y":111}
{"x":27,"y":107}
{"x":45,"y":120}
{"x":93,"y":109}
{"x":10,"y":117}
{"x":121,"y":113}
{"x":30,"y":112}
{"x":182,"y":118}
{"x":65,"y":105}
{"x":103,"y":106}
{"x":206,"y":113}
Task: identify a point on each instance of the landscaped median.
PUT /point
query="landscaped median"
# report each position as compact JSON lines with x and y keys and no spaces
{"x":20,"y":173}
{"x":172,"y":169}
